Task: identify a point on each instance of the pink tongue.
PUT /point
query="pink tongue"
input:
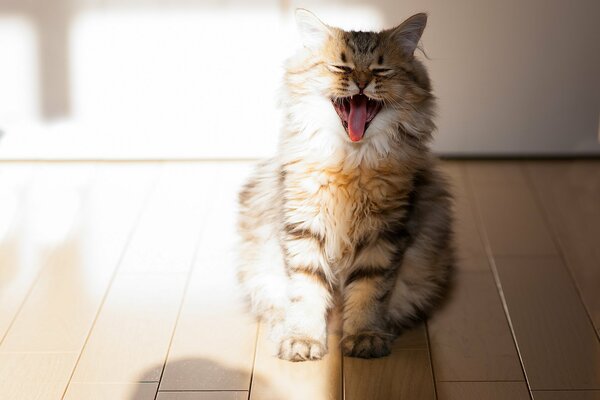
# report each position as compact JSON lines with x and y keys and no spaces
{"x":357,"y":118}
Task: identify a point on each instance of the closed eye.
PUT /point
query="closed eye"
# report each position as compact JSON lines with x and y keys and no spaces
{"x":382,"y":71}
{"x":339,"y":68}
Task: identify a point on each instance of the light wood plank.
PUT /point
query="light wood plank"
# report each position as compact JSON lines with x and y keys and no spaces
{"x":482,"y":390}
{"x":131,"y":337}
{"x":51,"y":212}
{"x":470,"y":336}
{"x":512,"y":221}
{"x":567,"y":395}
{"x":405,"y":374}
{"x":213,"y":346}
{"x":34,"y":376}
{"x":172,"y":221}
{"x":211,"y":352}
{"x":62,"y":305}
{"x":17,"y":272}
{"x":202,"y":395}
{"x":276,"y":379}
{"x":570,"y":196}
{"x":557,"y":342}
{"x":111,"y":391}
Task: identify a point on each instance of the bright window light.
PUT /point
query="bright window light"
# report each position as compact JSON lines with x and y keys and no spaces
{"x":18,"y":71}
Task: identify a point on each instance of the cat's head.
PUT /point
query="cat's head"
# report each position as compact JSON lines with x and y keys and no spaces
{"x":371,"y":80}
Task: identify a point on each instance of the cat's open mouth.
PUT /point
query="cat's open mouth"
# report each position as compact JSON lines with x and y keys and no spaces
{"x":356,"y":113}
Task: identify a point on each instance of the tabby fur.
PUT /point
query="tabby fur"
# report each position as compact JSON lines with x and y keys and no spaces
{"x":326,"y":218}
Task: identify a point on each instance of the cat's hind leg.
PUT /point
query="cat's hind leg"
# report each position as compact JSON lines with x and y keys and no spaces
{"x":419,"y":286}
{"x":399,"y":277}
{"x":380,"y":302}
{"x":425,"y":271}
{"x":365,"y":325}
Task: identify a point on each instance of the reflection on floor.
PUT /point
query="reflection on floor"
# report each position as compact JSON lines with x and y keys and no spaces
{"x":117,"y":282}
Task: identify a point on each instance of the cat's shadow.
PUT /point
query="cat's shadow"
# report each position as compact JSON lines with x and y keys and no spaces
{"x":181,"y":385}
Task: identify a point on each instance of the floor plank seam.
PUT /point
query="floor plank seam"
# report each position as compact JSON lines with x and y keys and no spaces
{"x":343,"y":376}
{"x":567,"y":390}
{"x":492,"y":263}
{"x":485,"y":381}
{"x":202,"y":391}
{"x":431,"y":365}
{"x":128,"y":240}
{"x":183,"y":296}
{"x":560,"y":247}
{"x":36,"y":174}
{"x":253,"y":360}
{"x":38,"y":352}
{"x":220,"y":160}
{"x":182,"y":302}
{"x":22,"y":304}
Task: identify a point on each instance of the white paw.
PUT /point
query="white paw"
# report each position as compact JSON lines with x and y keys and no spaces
{"x":301,"y":348}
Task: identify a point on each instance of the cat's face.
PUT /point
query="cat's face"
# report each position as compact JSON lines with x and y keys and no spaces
{"x":369,"y":78}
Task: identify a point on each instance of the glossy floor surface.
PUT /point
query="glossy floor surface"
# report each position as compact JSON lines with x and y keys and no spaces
{"x":117,"y":282}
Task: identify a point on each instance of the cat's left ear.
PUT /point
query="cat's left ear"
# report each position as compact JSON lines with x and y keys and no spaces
{"x":313,"y":31}
{"x":408,"y":33}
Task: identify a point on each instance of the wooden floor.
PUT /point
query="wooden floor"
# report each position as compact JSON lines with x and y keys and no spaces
{"x":117,"y":283}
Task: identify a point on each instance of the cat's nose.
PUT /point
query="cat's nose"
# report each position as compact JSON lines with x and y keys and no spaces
{"x":362,"y":83}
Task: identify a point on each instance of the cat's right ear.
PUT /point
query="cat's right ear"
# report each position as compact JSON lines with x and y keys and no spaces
{"x":313,"y":31}
{"x":408,"y":33}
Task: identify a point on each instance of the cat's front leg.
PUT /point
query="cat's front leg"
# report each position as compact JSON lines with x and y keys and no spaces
{"x":365,"y":325}
{"x":303,"y":334}
{"x":304,"y":331}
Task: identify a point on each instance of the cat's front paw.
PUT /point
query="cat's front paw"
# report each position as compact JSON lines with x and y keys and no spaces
{"x":301,"y":348}
{"x":367,"y":345}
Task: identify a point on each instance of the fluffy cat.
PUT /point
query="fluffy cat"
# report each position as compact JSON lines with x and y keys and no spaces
{"x":352,"y":202}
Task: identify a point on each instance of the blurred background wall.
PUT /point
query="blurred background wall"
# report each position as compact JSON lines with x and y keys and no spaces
{"x":158,"y":79}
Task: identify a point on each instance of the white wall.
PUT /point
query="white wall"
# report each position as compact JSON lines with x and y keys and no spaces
{"x":193,"y":78}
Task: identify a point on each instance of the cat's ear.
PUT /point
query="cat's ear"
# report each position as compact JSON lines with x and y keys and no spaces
{"x":408,"y":33}
{"x":314,"y":32}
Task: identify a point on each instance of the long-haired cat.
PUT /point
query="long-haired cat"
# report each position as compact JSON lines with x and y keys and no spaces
{"x":352,"y":202}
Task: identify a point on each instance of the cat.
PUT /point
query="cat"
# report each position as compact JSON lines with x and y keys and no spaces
{"x":352,"y":205}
